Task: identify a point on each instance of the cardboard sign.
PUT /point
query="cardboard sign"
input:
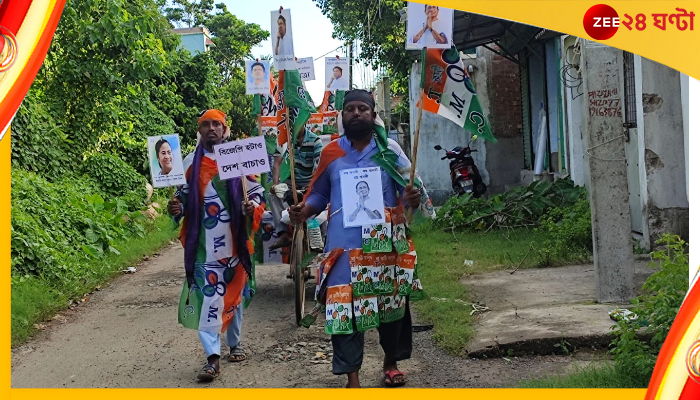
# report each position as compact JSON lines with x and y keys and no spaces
{"x":428,"y":26}
{"x":337,"y":74}
{"x":257,"y":77}
{"x":242,"y":157}
{"x":165,"y":161}
{"x":363,"y":196}
{"x":281,"y":38}
{"x":305,"y":66}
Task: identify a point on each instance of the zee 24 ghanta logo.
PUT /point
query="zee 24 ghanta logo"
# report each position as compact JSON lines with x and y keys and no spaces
{"x":602,"y":21}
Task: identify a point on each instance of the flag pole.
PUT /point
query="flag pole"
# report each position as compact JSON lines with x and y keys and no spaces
{"x":414,"y":154}
{"x":290,"y":148}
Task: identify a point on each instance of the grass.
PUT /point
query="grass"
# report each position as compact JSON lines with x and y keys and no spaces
{"x":605,"y":376}
{"x":441,"y":260}
{"x":34,"y":300}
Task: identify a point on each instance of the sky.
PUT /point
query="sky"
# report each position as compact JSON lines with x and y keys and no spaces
{"x":312,"y":33}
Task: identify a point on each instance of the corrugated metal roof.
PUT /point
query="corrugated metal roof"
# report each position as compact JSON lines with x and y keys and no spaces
{"x":473,"y":30}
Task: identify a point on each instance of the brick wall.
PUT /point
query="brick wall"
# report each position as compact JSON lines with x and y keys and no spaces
{"x":504,"y":96}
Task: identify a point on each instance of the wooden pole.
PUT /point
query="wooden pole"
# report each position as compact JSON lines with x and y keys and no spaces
{"x":414,"y":154}
{"x":416,"y":139}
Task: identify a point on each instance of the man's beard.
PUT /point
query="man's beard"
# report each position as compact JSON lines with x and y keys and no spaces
{"x":211,"y":142}
{"x":358,"y":129}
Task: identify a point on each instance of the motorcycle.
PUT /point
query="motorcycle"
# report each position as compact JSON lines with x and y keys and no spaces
{"x":463,"y":171}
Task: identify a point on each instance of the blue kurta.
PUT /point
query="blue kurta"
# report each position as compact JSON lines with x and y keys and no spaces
{"x":327,"y":189}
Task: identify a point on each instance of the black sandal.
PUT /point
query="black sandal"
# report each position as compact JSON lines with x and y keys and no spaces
{"x":237,"y":354}
{"x":208,"y":373}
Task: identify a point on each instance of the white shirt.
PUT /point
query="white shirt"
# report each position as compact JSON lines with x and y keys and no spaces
{"x":337,"y":84}
{"x":428,"y":37}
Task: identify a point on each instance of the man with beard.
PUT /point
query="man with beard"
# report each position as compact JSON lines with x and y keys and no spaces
{"x":358,"y":149}
{"x":217,"y":245}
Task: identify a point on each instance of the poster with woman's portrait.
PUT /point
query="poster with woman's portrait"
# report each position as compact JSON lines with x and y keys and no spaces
{"x":281,"y":38}
{"x":337,"y":74}
{"x":429,"y":26}
{"x":257,"y":77}
{"x":362,"y":195}
{"x":165,"y":160}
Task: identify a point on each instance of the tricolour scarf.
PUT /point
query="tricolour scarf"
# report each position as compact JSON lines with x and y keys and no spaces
{"x":192,"y":224}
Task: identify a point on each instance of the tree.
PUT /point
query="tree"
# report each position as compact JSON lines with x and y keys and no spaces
{"x":99,"y":75}
{"x":382,"y":36}
{"x":188,"y":13}
{"x":217,"y":79}
{"x":233,"y":39}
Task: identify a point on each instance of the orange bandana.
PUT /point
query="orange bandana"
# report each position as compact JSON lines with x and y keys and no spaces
{"x":212,"y":114}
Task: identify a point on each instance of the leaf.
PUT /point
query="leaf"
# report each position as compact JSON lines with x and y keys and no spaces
{"x":92,"y":251}
{"x":91,"y":236}
{"x":115,"y":251}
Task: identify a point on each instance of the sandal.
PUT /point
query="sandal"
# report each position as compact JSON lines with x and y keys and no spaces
{"x":237,"y":354}
{"x":394,"y":377}
{"x":208,"y":373}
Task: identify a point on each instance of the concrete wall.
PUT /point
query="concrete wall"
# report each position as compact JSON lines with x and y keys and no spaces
{"x":194,"y":42}
{"x":440,"y":130}
{"x":664,"y":152}
{"x":573,"y":100}
{"x":685,"y":84}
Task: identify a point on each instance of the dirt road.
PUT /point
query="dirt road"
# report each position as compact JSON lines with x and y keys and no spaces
{"x":127,"y":335}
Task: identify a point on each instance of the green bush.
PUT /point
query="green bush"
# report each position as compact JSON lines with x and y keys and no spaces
{"x":519,"y":207}
{"x":569,"y":232}
{"x":656,"y":309}
{"x":38,"y":142}
{"x":116,"y":178}
{"x":57,"y":227}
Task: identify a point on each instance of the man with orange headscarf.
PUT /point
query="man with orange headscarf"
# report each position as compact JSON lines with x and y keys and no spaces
{"x":217,"y":246}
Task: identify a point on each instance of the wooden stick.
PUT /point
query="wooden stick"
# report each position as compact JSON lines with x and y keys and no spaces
{"x":244,"y":182}
{"x":415,"y":142}
{"x":414,"y":155}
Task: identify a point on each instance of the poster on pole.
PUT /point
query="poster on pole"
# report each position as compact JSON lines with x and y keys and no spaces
{"x":429,"y":26}
{"x":315,"y":124}
{"x":165,"y":161}
{"x":305,"y":66}
{"x":282,"y":44}
{"x":362,"y":196}
{"x":242,"y":157}
{"x":270,"y":132}
{"x":257,"y":77}
{"x":337,"y":74}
